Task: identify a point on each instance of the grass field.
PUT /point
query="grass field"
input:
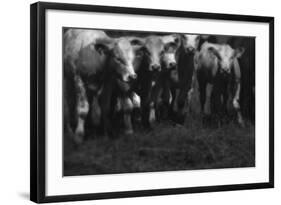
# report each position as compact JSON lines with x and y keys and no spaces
{"x":166,"y":147}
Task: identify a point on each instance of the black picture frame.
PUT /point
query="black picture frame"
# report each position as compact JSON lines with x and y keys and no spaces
{"x":38,"y":100}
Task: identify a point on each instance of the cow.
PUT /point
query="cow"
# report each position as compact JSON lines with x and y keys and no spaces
{"x":217,"y":72}
{"x":95,"y":63}
{"x":158,"y":56}
{"x":168,"y":75}
{"x":179,"y":81}
{"x":247,"y":65}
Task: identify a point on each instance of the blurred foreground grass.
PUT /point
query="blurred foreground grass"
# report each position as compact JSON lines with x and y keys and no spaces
{"x":168,"y":147}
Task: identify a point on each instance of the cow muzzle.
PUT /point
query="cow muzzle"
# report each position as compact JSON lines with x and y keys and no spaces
{"x":225,"y":71}
{"x":172,"y":65}
{"x":155,"y":67}
{"x":129,"y":77}
{"x":190,"y":49}
{"x":133,"y":77}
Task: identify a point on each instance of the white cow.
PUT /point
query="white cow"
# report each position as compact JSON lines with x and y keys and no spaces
{"x":216,"y":65}
{"x":94,"y":60}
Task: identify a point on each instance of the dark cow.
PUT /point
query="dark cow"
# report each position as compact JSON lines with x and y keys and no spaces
{"x":179,"y":80}
{"x":158,"y":55}
{"x":247,"y":65}
{"x":218,"y":71}
{"x":95,"y":62}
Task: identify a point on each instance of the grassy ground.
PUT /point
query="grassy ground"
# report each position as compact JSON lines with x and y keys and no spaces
{"x":167,"y":147}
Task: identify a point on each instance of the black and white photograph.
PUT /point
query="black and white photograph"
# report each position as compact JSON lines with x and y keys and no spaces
{"x":134,"y":102}
{"x":144,"y":101}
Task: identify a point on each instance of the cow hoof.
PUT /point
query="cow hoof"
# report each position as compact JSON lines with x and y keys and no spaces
{"x":180,"y":119}
{"x":207,"y":120}
{"x":128,"y":132}
{"x":242,"y":124}
{"x":78,"y":138}
{"x":111,"y":136}
{"x":236,"y":104}
{"x":152,"y":118}
{"x":241,"y":121}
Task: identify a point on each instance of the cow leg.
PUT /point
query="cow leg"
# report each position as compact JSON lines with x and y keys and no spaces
{"x":127,"y":106}
{"x":66,"y":110}
{"x":172,"y":108}
{"x":144,"y":108}
{"x":95,"y":111}
{"x":82,"y":109}
{"x":148,"y":107}
{"x":67,"y":127}
{"x":154,"y":103}
{"x":202,"y":91}
{"x":148,"y":114}
{"x":136,"y":112}
{"x":144,"y":113}
{"x":159,"y":105}
{"x":235,"y":101}
{"x":152,"y":114}
{"x":217,"y":104}
{"x":167,"y":100}
{"x":175,"y":100}
{"x":207,"y":105}
{"x":225,"y":98}
{"x":106,"y":103}
{"x":181,"y":101}
{"x":236,"y":105}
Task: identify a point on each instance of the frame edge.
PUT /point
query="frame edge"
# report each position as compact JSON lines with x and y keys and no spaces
{"x":271,"y":102}
{"x":33,"y":103}
{"x":37,"y":102}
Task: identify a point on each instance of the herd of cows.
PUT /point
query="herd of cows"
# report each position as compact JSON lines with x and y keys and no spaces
{"x":124,"y":78}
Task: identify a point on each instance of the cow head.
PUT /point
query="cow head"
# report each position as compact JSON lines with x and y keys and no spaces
{"x":171,"y":45}
{"x":153,"y":51}
{"x":121,"y":55}
{"x":226,"y":56}
{"x":190,"y":42}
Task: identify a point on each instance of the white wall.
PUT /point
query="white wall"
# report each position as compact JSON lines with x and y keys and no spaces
{"x":14,"y":100}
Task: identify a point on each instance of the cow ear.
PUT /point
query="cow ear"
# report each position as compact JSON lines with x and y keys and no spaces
{"x":239,"y":52}
{"x":177,"y":39}
{"x":137,"y":42}
{"x":205,"y":37}
{"x":215,"y":52}
{"x":103,"y":46}
{"x":175,"y":43}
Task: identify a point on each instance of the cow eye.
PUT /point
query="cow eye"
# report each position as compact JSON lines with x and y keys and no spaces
{"x":147,"y":52}
{"x":120,"y":60}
